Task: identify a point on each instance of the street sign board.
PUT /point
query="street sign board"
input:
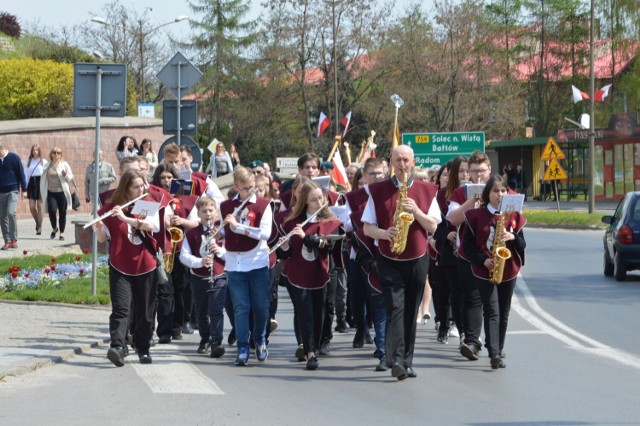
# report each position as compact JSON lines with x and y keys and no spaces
{"x":554,"y":171}
{"x":188,"y":117}
{"x":113,"y":96}
{"x":187,"y":72}
{"x":552,"y":151}
{"x":287,"y":163}
{"x":438,"y":148}
{"x":185,"y":140}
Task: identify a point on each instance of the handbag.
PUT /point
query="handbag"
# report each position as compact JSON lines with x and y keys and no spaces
{"x":75,"y":201}
{"x":162,"y":277}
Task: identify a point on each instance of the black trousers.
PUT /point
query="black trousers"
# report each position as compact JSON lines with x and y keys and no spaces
{"x":296,"y":317}
{"x":123,"y":289}
{"x":330,"y":306}
{"x":57,"y":202}
{"x":403,"y":286}
{"x":210,"y":299}
{"x":359,"y":296}
{"x":441,"y":292}
{"x":171,"y":304}
{"x":491,"y":303}
{"x":309,"y":306}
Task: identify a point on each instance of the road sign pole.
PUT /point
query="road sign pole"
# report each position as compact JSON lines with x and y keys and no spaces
{"x":179,"y":106}
{"x":95,"y":189}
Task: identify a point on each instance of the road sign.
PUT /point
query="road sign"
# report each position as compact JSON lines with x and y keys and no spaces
{"x":179,"y":68}
{"x":188,"y":117}
{"x":438,"y":148}
{"x":554,"y":171}
{"x":113,"y":96}
{"x":552,"y":151}
{"x":186,"y":140}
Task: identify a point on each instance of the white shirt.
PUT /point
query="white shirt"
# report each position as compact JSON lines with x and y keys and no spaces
{"x":258,"y":257}
{"x":36,"y":168}
{"x":194,"y":261}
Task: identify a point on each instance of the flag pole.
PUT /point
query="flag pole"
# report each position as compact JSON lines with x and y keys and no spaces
{"x":336,"y":144}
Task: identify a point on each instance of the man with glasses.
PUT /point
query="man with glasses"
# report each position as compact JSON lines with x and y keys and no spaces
{"x":12,"y":181}
{"x":479,"y":172}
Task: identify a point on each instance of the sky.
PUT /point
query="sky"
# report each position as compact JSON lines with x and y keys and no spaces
{"x":74,"y":12}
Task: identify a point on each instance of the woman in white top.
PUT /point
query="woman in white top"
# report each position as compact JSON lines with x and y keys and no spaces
{"x":146,"y":150}
{"x":54,"y":185}
{"x":33,"y":170}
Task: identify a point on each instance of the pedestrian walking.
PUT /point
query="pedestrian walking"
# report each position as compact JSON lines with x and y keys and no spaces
{"x":12,"y":182}
{"x":54,"y":188}
{"x":34,"y":168}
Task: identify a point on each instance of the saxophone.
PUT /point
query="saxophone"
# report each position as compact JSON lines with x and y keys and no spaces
{"x":176,"y":236}
{"x":499,"y":252}
{"x":402,"y":219}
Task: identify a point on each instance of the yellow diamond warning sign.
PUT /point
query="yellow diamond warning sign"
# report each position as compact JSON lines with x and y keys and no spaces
{"x":552,"y":151}
{"x":554,"y":171}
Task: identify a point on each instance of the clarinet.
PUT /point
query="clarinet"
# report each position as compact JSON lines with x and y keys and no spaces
{"x":210,"y":238}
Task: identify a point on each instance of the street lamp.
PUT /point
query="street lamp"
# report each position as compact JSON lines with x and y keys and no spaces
{"x":140,"y":35}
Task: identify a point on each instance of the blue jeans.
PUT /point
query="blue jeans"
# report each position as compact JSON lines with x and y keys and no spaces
{"x":379,"y":321}
{"x":250,"y":291}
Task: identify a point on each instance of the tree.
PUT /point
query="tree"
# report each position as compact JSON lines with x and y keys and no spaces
{"x":220,"y":40}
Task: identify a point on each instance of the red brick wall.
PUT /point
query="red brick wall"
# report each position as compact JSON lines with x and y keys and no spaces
{"x":77,"y":143}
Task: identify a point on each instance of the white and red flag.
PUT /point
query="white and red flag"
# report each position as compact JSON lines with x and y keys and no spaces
{"x":339,"y":174}
{"x":346,"y":120}
{"x":602,"y":93}
{"x":323,"y":124}
{"x":578,"y":95}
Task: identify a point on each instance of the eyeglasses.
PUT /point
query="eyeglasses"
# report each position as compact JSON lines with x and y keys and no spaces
{"x":482,"y":171}
{"x":57,"y":152}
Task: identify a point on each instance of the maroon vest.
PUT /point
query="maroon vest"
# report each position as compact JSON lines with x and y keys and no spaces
{"x":482,"y":224}
{"x":250,"y":215}
{"x":194,"y":238}
{"x":385,"y":196}
{"x":303,"y":273}
{"x":125,"y":256}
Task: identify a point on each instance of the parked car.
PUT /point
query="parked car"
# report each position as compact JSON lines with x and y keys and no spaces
{"x":622,"y":238}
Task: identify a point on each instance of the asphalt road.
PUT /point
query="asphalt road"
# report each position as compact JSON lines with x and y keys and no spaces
{"x":572,"y":359}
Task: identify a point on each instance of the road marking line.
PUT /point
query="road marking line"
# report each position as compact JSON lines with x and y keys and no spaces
{"x":598,"y":349}
{"x":173,"y":373}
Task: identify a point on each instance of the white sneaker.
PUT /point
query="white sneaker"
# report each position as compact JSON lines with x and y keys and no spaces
{"x":419,"y":321}
{"x":453,"y":331}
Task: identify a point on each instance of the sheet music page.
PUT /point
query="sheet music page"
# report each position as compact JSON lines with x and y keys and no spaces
{"x":143,"y":208}
{"x":512,"y":202}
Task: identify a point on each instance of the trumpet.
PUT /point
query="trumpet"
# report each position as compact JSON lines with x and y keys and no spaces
{"x":290,"y":234}
{"x":176,"y":236}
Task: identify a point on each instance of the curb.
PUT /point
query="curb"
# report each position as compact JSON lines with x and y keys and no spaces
{"x":54,"y":357}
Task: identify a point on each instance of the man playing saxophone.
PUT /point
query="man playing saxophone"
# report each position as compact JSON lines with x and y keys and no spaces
{"x":402,"y":263}
{"x":488,"y":232}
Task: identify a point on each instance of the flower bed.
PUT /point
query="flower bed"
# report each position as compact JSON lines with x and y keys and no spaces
{"x":54,"y":274}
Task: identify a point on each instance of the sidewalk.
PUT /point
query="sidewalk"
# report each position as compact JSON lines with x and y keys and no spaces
{"x":37,"y":334}
{"x":43,"y":244}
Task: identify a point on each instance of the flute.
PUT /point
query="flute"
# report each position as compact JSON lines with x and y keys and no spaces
{"x":110,"y":212}
{"x":290,"y":234}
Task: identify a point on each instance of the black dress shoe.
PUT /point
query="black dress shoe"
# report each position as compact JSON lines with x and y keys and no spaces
{"x":231,"y":340}
{"x":145,"y":358}
{"x":164,"y":339}
{"x":368,"y":339}
{"x":358,"y":339}
{"x":382,"y":365}
{"x":203,"y":348}
{"x":217,"y":351}
{"x":411,"y":374}
{"x":496,"y":362}
{"x":116,"y":356}
{"x":312,"y":363}
{"x":398,"y":371}
{"x":177,"y":336}
{"x":469,"y":351}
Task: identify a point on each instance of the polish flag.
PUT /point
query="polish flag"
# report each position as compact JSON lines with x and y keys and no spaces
{"x":602,"y":93}
{"x":345,"y":123}
{"x":578,"y":95}
{"x":339,"y":174}
{"x":323,"y":124}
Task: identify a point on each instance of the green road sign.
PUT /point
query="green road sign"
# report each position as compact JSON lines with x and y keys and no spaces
{"x":438,"y":148}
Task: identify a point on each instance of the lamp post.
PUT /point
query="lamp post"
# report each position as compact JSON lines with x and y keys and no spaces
{"x":592,"y":132}
{"x":334,"y":29}
{"x":140,"y":35}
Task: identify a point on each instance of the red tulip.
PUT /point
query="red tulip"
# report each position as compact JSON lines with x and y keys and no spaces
{"x":14,"y":274}
{"x":53,"y":267}
{"x":78,"y":258}
{"x":53,"y":260}
{"x":15,"y":268}
{"x":81,"y":271}
{"x":24,"y":252}
{"x":26,"y":275}
{"x":85,"y":251}
{"x":47,"y":270}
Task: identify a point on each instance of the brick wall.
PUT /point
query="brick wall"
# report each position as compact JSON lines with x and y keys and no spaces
{"x":76,"y":137}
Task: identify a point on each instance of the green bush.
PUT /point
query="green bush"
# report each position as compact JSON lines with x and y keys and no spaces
{"x":34,"y":89}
